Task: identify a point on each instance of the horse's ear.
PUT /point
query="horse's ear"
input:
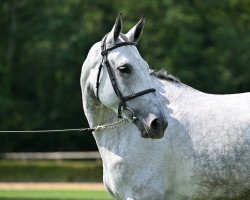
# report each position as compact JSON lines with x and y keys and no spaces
{"x":135,"y":33}
{"x":116,"y":30}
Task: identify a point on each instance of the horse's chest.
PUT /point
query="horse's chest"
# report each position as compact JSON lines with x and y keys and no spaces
{"x":129,"y":180}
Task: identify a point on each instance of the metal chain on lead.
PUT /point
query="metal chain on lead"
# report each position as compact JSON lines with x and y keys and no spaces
{"x":114,"y":125}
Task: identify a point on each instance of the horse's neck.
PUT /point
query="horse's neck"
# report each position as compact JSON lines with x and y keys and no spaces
{"x":175,"y":93}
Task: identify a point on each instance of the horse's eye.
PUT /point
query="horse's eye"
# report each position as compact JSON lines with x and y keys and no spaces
{"x":124,"y":69}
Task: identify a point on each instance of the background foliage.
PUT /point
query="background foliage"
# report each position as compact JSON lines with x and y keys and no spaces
{"x":43,"y":44}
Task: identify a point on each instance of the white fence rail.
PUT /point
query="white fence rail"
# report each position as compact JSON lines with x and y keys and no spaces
{"x":89,"y":155}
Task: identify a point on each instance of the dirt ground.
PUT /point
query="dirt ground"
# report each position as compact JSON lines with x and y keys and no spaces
{"x":55,"y":186}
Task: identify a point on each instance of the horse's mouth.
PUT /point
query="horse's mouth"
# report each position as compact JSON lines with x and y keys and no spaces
{"x":147,"y":132}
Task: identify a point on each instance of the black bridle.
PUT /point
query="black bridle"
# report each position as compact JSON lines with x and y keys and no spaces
{"x":123,"y":99}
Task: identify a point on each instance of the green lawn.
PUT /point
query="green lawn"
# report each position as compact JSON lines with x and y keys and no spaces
{"x":50,"y":171}
{"x":53,"y":195}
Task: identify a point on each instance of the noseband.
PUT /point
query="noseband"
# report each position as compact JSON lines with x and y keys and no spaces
{"x":123,"y":99}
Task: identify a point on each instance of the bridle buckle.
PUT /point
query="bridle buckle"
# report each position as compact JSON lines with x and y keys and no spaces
{"x":133,"y":114}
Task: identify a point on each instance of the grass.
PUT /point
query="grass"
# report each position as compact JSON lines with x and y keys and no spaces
{"x":50,"y":171}
{"x":54,"y":195}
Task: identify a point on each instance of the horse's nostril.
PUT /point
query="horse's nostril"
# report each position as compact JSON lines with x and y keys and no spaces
{"x":158,"y":124}
{"x":155,"y":124}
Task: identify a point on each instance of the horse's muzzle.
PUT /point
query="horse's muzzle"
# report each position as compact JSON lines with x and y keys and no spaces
{"x":153,"y":129}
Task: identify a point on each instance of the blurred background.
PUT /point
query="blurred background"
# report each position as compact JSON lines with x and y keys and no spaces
{"x":43,"y":44}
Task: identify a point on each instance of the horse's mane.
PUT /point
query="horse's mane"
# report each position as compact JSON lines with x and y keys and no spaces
{"x":163,"y":74}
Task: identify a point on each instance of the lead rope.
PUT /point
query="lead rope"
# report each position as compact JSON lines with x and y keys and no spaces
{"x":104,"y":127}
{"x":114,"y":125}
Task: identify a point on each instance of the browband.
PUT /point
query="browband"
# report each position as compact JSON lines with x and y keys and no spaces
{"x":114,"y":46}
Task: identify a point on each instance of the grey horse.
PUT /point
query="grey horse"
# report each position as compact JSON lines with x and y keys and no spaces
{"x":180,"y":143}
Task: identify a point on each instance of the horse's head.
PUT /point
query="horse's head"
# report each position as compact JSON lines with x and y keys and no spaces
{"x":123,"y":82}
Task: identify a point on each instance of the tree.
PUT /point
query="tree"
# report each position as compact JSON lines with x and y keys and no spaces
{"x":44,"y":43}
